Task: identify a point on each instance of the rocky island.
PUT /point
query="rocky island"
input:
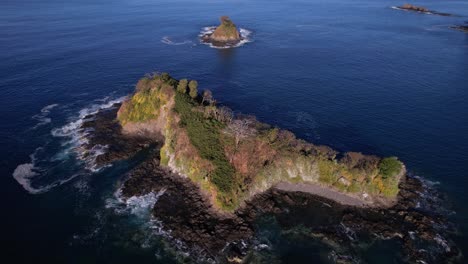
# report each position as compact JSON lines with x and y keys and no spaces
{"x":420,"y":9}
{"x":226,"y":34}
{"x":233,"y":158}
{"x":217,"y":174}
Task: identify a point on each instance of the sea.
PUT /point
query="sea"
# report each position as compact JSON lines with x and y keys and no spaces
{"x":356,"y":75}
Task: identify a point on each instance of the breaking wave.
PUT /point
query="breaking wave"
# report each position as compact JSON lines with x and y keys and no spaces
{"x":76,"y":136}
{"x":245,"y":35}
{"x":136,"y":205}
{"x":59,"y":161}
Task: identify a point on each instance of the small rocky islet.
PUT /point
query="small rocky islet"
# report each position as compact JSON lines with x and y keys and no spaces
{"x":218,"y":222}
{"x":225,"y":35}
{"x":421,"y":9}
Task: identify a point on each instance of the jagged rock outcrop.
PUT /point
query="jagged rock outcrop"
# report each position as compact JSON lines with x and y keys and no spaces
{"x":226,"y":34}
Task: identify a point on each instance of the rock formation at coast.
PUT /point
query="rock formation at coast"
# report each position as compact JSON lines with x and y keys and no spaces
{"x":226,"y":34}
{"x":264,"y":171}
{"x":233,"y":158}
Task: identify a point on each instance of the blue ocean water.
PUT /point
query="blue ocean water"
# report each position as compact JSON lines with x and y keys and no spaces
{"x":354,"y":75}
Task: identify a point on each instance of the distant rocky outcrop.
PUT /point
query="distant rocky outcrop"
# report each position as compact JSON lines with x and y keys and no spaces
{"x":463,"y":28}
{"x":414,"y":8}
{"x":225,"y":34}
{"x":420,"y":9}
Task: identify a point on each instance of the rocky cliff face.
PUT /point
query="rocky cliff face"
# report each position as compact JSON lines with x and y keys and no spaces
{"x":232,"y":158}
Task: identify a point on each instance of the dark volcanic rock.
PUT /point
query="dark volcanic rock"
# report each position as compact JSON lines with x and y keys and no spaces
{"x":104,"y":129}
{"x":184,"y":210}
{"x":416,"y":222}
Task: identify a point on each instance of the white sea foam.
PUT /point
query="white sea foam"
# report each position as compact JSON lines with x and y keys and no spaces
{"x":25,"y":173}
{"x":245,"y":37}
{"x":76,"y":137}
{"x":41,"y":178}
{"x":167,"y":40}
{"x":42,"y":117}
{"x":137,"y":205}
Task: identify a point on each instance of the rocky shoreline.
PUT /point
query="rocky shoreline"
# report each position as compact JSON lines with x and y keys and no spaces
{"x":414,"y":222}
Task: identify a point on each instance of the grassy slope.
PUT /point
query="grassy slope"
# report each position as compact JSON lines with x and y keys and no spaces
{"x":198,"y":146}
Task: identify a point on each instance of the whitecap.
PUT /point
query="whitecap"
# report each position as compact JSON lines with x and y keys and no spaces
{"x":167,"y":40}
{"x":76,"y":136}
{"x":244,"y":33}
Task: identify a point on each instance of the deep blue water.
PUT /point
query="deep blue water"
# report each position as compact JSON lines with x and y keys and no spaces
{"x":355,"y":75}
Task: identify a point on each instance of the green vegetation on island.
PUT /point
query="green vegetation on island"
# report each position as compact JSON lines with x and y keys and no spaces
{"x":233,"y":157}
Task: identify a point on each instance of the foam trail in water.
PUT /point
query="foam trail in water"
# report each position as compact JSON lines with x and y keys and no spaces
{"x":25,"y":173}
{"x":168,"y":41}
{"x":42,"y":117}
